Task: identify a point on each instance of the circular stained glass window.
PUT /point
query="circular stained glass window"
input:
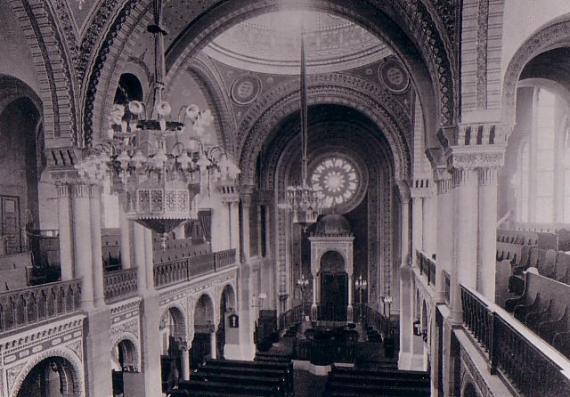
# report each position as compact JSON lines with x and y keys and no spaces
{"x":336,"y":180}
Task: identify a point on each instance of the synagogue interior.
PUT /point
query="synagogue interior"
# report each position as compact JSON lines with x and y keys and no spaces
{"x":284,"y":198}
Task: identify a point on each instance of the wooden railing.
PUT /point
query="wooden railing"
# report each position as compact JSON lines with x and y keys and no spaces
{"x":120,"y":284}
{"x":182,"y":270}
{"x":294,"y":316}
{"x":427,"y":266}
{"x":27,"y":306}
{"x":510,"y":352}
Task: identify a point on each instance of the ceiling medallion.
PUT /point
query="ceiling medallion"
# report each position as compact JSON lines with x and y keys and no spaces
{"x":394,"y":76}
{"x":245,"y":89}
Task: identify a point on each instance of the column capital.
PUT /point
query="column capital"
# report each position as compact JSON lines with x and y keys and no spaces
{"x":422,"y":187}
{"x":474,"y":157}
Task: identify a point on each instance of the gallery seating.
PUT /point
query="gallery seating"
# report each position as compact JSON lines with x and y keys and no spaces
{"x":544,"y":308}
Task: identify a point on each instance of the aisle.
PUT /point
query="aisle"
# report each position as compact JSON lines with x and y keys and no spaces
{"x":308,"y":385}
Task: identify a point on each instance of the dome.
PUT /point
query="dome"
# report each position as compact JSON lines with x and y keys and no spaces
{"x":270,"y":43}
{"x":333,"y":225}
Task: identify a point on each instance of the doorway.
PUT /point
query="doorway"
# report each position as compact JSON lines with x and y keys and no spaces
{"x":334,"y":287}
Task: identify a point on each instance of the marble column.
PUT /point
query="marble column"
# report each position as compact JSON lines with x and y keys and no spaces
{"x":465,"y":212}
{"x":126,"y":228}
{"x":139,"y":256}
{"x":235,"y":228}
{"x":404,"y":361}
{"x":417,"y":224}
{"x":82,"y":242}
{"x":429,"y":234}
{"x":349,"y":309}
{"x":96,"y":247}
{"x":185,"y":361}
{"x":213,"y":345}
{"x":65,"y":231}
{"x":444,"y":241}
{"x":487,"y":232}
{"x":247,"y":318}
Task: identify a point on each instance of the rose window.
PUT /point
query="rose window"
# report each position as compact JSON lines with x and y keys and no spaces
{"x":336,"y":181}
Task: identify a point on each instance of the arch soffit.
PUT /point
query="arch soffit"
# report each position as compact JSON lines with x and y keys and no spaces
{"x":551,"y":85}
{"x":341,"y":252}
{"x":51,"y":61}
{"x":13,"y":89}
{"x":60,"y":352}
{"x":127,"y":336}
{"x":177,"y":310}
{"x":229,"y":287}
{"x":269,"y":120}
{"x":435,"y":78}
{"x":203,"y":71}
{"x":553,"y":35}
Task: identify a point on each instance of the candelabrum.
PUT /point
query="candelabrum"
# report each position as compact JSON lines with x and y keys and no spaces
{"x":361,"y":285}
{"x":303,"y":283}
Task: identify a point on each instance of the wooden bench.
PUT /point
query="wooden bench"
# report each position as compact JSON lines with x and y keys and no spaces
{"x":284,"y":370}
{"x":365,"y":382}
{"x":544,"y":307}
{"x":198,"y":387}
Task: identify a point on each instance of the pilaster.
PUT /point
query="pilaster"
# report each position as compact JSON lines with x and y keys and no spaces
{"x":65,"y":231}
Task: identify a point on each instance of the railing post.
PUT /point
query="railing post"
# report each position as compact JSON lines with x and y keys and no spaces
{"x":493,"y":342}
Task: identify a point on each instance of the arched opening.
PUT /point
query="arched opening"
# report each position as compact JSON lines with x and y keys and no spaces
{"x":227,"y":308}
{"x":123,"y":360}
{"x":203,"y":344}
{"x":470,"y":391}
{"x":172,"y":335}
{"x":51,"y":377}
{"x":20,"y":166}
{"x":334,"y":287}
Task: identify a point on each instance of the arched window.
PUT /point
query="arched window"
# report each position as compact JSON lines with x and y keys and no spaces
{"x":543,"y":166}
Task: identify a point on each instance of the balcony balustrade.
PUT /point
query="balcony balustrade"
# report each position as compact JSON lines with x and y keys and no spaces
{"x":181,"y":270}
{"x":427,"y":266}
{"x":510,"y":352}
{"x":120,"y":284}
{"x":27,"y":306}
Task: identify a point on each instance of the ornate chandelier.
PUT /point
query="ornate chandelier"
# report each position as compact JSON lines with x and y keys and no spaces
{"x":158,"y":165}
{"x":303,"y":201}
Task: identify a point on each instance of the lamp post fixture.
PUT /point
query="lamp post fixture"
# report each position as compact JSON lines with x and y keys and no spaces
{"x":387,"y":300}
{"x":361,"y":285}
{"x":303,"y":283}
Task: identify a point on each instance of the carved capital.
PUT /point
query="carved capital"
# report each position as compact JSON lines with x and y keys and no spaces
{"x":422,"y":187}
{"x":474,"y":157}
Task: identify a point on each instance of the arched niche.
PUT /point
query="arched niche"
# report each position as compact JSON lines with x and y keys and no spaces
{"x":52,"y":374}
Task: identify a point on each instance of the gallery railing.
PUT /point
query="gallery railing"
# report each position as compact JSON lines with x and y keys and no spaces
{"x":185,"y":269}
{"x":294,"y":316}
{"x":509,"y":352}
{"x":427,"y":266}
{"x":27,"y":306}
{"x":120,"y":284}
